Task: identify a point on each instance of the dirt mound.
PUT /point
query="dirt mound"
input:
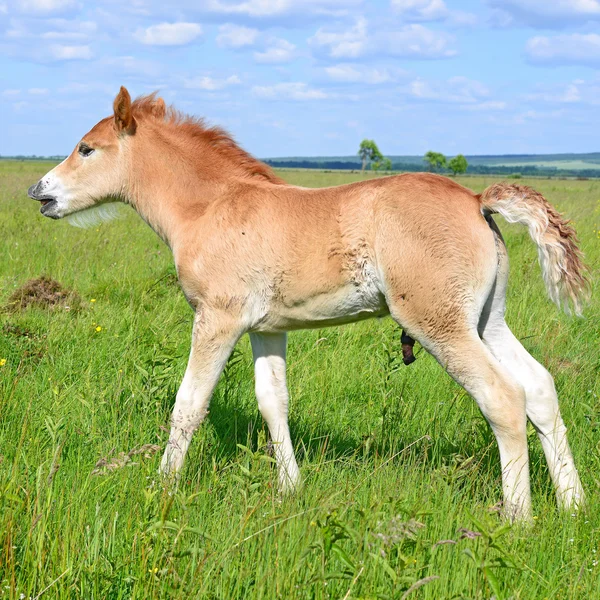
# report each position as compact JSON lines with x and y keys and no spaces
{"x":43,"y":292}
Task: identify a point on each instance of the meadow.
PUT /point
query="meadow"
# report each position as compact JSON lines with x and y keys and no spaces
{"x":401,"y":471}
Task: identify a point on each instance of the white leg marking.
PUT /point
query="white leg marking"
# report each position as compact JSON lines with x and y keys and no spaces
{"x":272,"y":394}
{"x":502,"y":402}
{"x":501,"y":399}
{"x":211,"y":347}
{"x":542,"y":409}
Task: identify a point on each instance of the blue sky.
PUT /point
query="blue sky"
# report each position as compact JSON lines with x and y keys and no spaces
{"x":311,"y":77}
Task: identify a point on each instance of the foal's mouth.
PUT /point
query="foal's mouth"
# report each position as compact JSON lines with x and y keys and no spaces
{"x":46,"y":200}
{"x":47,"y":203}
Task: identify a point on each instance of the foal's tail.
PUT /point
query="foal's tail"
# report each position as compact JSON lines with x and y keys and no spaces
{"x":560,"y":257}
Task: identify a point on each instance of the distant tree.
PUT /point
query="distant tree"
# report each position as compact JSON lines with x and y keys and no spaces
{"x":385,"y":164}
{"x":436,"y":160}
{"x":369,"y":152}
{"x":458,"y":164}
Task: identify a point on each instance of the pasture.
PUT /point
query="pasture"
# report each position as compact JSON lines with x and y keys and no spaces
{"x":402,"y":475}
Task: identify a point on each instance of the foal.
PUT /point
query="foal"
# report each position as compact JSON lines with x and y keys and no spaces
{"x":256,"y":255}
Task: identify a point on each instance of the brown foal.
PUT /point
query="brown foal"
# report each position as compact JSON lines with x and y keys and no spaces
{"x":256,"y":255}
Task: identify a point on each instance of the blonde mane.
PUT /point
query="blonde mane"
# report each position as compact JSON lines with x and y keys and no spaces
{"x":196,"y":130}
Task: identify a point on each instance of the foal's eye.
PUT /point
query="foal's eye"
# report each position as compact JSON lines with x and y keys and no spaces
{"x":85,"y":150}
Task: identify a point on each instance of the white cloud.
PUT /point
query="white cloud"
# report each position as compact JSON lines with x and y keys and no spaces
{"x":355,"y":73}
{"x":45,"y":7}
{"x":272,"y":50}
{"x":17,"y":30}
{"x":52,"y":29}
{"x":546,"y":13}
{"x":70,"y":30}
{"x":289,"y":91}
{"x":129,"y":65}
{"x":456,"y":90}
{"x":459,"y":18}
{"x":253,"y":8}
{"x":416,"y":41}
{"x":432,"y":10}
{"x":411,"y":41}
{"x":578,"y":91}
{"x":575,"y":48}
{"x":59,"y":52}
{"x":486,"y":106}
{"x":210,"y":84}
{"x":425,"y":10}
{"x":38,"y":91}
{"x":277,"y":8}
{"x":169,"y":34}
{"x":565,"y":94}
{"x":11,"y":93}
{"x":279,"y":51}
{"x":571,"y":94}
{"x":351,"y":43}
{"x":19,"y":106}
{"x":236,"y":36}
{"x":537,"y":115}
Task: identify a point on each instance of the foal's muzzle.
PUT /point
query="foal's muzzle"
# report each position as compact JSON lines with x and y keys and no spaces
{"x":48,"y":202}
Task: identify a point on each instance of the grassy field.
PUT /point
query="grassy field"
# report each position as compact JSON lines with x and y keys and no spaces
{"x":401,"y":472}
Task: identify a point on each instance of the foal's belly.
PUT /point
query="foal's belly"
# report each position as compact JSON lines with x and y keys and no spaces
{"x":347,"y":304}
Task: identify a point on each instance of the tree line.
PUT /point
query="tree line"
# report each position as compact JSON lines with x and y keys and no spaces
{"x":370,"y":155}
{"x":437,"y":161}
{"x":372,"y":158}
{"x":506,"y":171}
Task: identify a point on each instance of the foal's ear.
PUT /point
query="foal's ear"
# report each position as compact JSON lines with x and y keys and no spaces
{"x":159,"y":108}
{"x":124,"y":121}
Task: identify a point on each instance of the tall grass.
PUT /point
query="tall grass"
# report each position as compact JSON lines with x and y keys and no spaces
{"x":401,"y":471}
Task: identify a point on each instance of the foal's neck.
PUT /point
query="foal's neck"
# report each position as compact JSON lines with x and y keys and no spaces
{"x":174,"y":178}
{"x":166,"y":188}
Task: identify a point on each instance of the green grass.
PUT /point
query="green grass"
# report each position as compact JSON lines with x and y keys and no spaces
{"x":395,"y":459}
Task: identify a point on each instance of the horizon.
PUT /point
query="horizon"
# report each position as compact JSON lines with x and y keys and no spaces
{"x":498,"y":78}
{"x":334,"y":156}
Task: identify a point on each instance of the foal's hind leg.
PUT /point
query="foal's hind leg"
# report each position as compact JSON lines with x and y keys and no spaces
{"x":501,"y":399}
{"x":542,"y":409}
{"x":540,"y":393}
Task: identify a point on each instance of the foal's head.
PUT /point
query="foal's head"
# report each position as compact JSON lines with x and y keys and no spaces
{"x":96,"y":172}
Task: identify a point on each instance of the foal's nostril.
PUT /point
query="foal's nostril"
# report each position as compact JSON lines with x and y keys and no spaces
{"x":33,"y":191}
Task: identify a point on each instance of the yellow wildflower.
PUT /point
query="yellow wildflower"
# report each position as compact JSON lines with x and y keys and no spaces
{"x":98,"y":329}
{"x":2,"y":362}
{"x":93,"y":300}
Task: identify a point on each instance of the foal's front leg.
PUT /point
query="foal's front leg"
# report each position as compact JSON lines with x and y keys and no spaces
{"x":213,"y":339}
{"x":272,"y":395}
